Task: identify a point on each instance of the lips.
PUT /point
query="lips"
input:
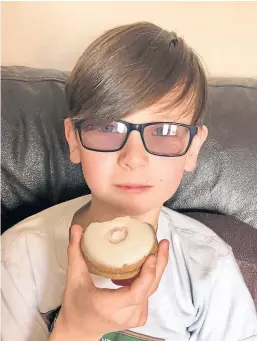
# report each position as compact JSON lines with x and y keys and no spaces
{"x":135,"y":188}
{"x":132,"y":185}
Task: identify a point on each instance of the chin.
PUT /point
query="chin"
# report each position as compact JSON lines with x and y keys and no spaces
{"x":135,"y":207}
{"x":129,"y":204}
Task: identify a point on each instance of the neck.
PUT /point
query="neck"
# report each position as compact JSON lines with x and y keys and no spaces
{"x":99,"y":211}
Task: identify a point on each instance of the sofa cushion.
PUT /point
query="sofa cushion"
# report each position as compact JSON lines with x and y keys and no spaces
{"x":36,"y":170}
{"x":225,"y":180}
{"x":37,"y":173}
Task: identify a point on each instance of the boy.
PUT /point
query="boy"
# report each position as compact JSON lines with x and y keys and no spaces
{"x":136,"y":98}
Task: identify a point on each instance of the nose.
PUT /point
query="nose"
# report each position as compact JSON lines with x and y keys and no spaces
{"x":133,"y":155}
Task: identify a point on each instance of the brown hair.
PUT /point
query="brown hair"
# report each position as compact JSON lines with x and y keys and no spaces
{"x":132,"y":67}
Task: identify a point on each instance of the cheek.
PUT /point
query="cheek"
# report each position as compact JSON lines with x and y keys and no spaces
{"x":170,"y":173}
{"x":97,"y":168}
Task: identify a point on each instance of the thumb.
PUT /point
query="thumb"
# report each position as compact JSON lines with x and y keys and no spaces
{"x":77,"y":268}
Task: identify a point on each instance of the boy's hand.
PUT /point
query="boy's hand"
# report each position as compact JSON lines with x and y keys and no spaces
{"x":87,"y":312}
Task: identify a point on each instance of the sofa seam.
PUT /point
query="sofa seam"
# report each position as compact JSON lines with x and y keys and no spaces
{"x":232,"y":86}
{"x":51,"y":79}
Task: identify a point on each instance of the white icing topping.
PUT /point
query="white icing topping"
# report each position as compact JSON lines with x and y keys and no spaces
{"x":117,"y":235}
{"x":118,"y":242}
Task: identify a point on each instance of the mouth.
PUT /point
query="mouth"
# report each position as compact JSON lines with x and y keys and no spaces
{"x":133,"y":188}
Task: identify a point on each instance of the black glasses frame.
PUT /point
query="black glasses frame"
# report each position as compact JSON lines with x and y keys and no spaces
{"x":140,"y":128}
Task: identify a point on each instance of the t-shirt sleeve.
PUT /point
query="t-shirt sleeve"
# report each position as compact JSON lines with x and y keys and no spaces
{"x":21,"y":319}
{"x":227,"y":312}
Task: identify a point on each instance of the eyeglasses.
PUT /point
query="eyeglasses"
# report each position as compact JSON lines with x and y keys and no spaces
{"x":159,"y":138}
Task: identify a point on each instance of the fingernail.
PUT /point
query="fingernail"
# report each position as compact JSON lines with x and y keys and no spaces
{"x":71,"y":234}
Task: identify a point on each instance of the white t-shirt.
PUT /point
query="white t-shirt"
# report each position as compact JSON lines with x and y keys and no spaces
{"x":201,"y":297}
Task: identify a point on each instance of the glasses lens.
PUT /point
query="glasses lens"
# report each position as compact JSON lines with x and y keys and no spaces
{"x":105,"y":137}
{"x":166,"y":138}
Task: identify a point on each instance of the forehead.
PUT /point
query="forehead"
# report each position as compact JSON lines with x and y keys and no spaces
{"x":173,"y":107}
{"x":180,"y":113}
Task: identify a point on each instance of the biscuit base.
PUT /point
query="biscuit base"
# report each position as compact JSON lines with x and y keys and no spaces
{"x":125,"y":272}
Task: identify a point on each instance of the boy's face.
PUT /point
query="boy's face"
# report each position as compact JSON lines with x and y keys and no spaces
{"x":110,"y":175}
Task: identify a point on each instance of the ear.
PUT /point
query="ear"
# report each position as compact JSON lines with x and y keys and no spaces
{"x":192,"y":154}
{"x":72,"y":139}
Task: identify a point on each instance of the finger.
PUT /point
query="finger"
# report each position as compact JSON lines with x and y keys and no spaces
{"x":161,"y":263}
{"x":142,"y":284}
{"x":136,"y":293}
{"x":77,"y":268}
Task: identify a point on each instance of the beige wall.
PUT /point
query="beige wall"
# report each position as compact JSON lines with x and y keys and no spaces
{"x":54,"y":34}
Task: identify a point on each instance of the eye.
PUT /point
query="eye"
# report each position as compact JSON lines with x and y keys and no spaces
{"x":158,"y":131}
{"x":165,"y":130}
{"x":108,"y":128}
{"x":112,"y":127}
